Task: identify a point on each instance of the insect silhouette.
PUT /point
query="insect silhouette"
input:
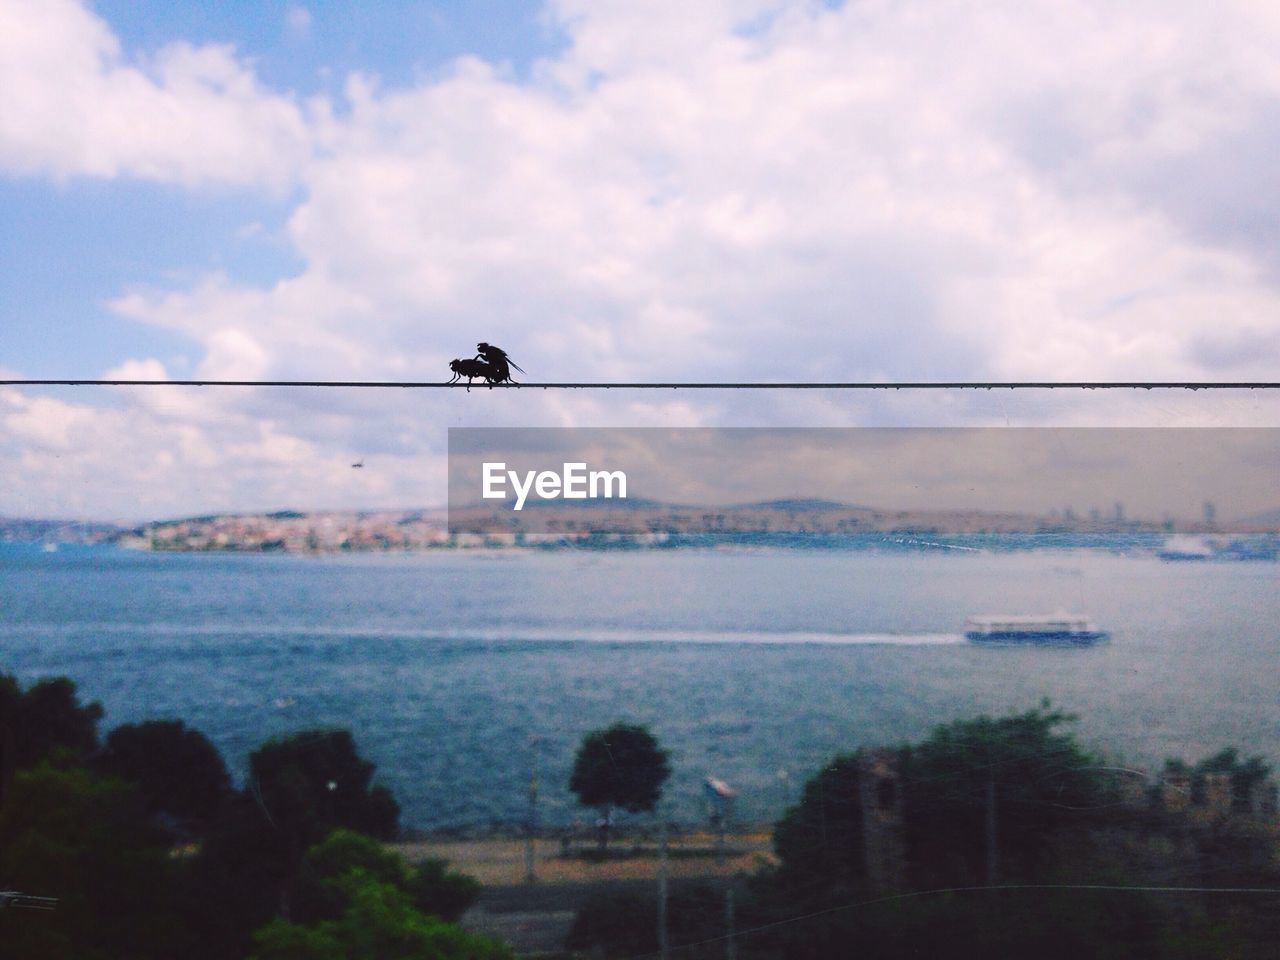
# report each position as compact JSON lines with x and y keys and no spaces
{"x":491,"y":364}
{"x":473,"y":369}
{"x":497,"y":358}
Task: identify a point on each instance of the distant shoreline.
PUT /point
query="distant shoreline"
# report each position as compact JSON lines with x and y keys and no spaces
{"x":637,"y":525}
{"x":1263,"y":547}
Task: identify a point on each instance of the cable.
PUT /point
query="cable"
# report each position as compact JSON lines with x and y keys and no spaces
{"x":677,"y":385}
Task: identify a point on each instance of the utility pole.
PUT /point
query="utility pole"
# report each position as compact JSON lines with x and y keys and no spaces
{"x":993,"y":854}
{"x":721,"y":797}
{"x":730,"y":944}
{"x":992,"y":859}
{"x":530,"y":870}
{"x":8,"y":759}
{"x":663,"y":947}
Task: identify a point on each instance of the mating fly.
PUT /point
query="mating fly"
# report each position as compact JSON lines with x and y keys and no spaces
{"x":490,"y":364}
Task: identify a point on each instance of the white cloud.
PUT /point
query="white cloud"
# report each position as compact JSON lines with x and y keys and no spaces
{"x":152,"y":452}
{"x":880,"y":191}
{"x":764,"y":190}
{"x":76,"y":106}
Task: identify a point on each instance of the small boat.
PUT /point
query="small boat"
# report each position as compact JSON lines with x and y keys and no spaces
{"x":1186,"y":548}
{"x":1055,"y":628}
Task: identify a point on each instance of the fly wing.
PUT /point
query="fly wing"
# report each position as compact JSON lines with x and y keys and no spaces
{"x":497,"y":355}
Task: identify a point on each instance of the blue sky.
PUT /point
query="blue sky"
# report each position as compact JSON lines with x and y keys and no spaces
{"x":719,"y":190}
{"x":310,"y":47}
{"x":79,"y":243}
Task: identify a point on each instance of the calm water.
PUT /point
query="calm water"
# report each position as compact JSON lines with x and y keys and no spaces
{"x":447,"y":666}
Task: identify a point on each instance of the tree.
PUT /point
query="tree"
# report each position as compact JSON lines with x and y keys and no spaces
{"x":378,"y":922}
{"x":45,"y":720}
{"x":1018,"y":773}
{"x":345,"y":850}
{"x":180,"y":773}
{"x":1035,"y":784}
{"x":1246,"y":776}
{"x":820,"y":839}
{"x":437,"y":890}
{"x":299,"y":790}
{"x":91,"y":844}
{"x":311,"y":783}
{"x":622,"y":766}
{"x":431,"y":887}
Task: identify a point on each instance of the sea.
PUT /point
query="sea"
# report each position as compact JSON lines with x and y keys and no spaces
{"x":465,"y":676}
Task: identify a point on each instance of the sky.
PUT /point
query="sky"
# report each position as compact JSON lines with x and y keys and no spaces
{"x":757,"y":190}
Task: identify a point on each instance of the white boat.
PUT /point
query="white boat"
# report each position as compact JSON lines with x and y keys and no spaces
{"x":1186,"y":548}
{"x":1054,"y":628}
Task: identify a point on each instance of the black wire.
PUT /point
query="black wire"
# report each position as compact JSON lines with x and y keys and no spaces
{"x":677,"y":385}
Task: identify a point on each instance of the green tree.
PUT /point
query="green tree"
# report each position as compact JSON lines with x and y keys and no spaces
{"x":378,"y":922}
{"x":437,"y":890}
{"x":180,"y":773}
{"x":1038,"y":787}
{"x":431,"y":887}
{"x":1019,"y":774}
{"x":300,"y":789}
{"x":623,"y":767}
{"x":45,"y":720}
{"x":345,"y":850}
{"x":819,"y":840}
{"x":1029,"y":775}
{"x":311,"y":783}
{"x":91,"y":844}
{"x":1246,"y":775}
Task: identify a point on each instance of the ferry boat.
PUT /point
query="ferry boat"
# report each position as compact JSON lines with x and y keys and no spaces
{"x":1186,"y":548}
{"x":1056,"y":628}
